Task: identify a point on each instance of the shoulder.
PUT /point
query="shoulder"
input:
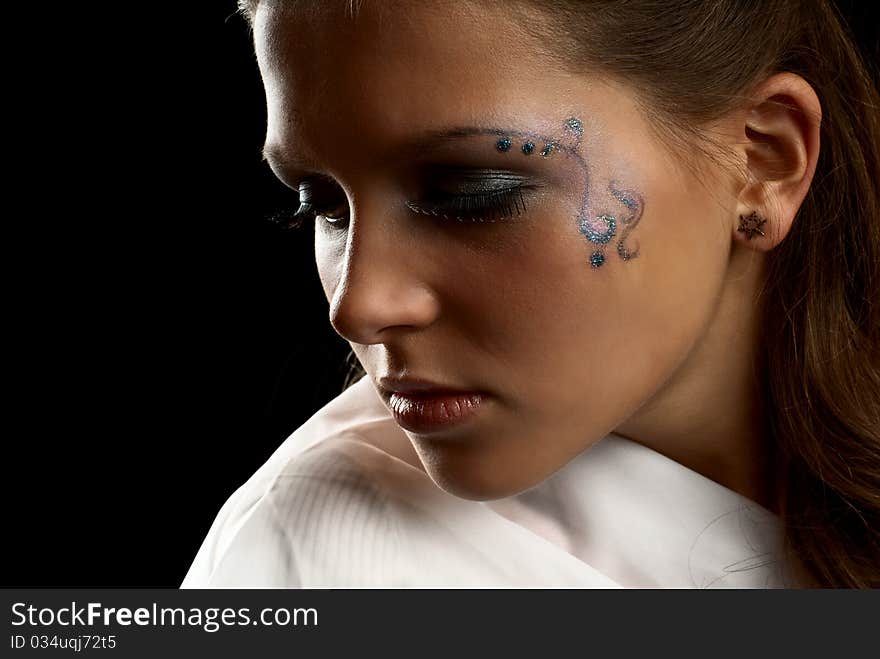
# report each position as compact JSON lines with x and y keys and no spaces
{"x":318,"y":511}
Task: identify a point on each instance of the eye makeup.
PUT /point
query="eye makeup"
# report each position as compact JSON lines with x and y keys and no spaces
{"x":480,"y":207}
{"x":487,"y":195}
{"x":472,"y":195}
{"x":463,"y":194}
{"x":509,"y":199}
{"x":316,"y":197}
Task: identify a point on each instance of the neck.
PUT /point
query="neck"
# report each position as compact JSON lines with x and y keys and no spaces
{"x":709,"y":415}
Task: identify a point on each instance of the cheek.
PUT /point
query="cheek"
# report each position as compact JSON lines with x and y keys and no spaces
{"x":504,"y":292}
{"x":527,"y":305}
{"x":625,"y":330}
{"x":587,"y":346}
{"x":329,"y":253}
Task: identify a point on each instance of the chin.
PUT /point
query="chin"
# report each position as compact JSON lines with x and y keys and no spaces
{"x":468,"y":479}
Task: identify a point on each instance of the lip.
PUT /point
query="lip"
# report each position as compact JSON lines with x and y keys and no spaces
{"x":422,"y":407}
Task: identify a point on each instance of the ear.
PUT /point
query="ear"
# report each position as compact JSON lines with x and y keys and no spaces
{"x":779,"y":138}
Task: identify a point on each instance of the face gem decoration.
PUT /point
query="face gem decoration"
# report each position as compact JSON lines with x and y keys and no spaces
{"x":600,"y":229}
{"x":599,"y":237}
{"x":551,"y":145}
{"x":624,"y":198}
{"x":574,"y":125}
{"x":634,"y":204}
{"x":588,"y":227}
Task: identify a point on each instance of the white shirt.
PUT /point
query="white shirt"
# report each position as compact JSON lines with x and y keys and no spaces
{"x":337,"y":505}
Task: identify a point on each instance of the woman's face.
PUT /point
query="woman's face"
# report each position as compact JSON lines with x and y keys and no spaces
{"x":567,"y":327}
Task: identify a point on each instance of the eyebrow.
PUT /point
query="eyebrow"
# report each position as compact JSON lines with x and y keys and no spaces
{"x":425,"y":141}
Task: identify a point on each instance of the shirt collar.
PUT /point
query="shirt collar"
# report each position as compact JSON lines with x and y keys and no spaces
{"x":645,"y":520}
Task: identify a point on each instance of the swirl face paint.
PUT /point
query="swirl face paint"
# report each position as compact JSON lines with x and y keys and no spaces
{"x":634,"y":203}
{"x":599,"y":229}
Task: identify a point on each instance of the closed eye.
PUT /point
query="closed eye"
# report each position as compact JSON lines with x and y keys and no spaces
{"x":474,"y":196}
{"x":479,"y":207}
{"x":318,"y":197}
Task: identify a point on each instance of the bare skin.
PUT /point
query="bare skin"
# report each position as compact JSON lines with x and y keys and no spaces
{"x":658,"y":348}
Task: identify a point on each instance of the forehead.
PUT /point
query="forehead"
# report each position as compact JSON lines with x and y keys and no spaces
{"x":396,"y":68}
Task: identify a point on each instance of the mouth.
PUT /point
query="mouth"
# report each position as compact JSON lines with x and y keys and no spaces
{"x":423,"y":407}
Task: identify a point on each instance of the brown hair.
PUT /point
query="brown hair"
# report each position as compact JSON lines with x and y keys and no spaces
{"x":693,"y":61}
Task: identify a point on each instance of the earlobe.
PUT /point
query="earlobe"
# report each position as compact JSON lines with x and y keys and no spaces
{"x":780,"y":130}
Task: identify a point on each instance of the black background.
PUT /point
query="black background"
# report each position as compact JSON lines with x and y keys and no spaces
{"x":167,"y":336}
{"x":163,"y":337}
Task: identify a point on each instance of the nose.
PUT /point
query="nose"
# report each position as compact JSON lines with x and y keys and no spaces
{"x":382,"y":284}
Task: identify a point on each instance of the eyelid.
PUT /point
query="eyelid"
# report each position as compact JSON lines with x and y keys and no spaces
{"x":466,"y":194}
{"x":489,"y":206}
{"x":451,"y":179}
{"x":319,"y":195}
{"x":317,"y":182}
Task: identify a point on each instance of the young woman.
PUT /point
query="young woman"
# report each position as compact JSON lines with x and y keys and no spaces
{"x":612,"y":271}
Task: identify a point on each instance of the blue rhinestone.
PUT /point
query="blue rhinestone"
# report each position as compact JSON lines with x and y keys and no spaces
{"x":597,"y":259}
{"x":548,"y":149}
{"x":503,"y":144}
{"x":527,"y":148}
{"x":573,"y":123}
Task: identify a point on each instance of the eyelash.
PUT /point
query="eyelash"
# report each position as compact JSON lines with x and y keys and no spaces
{"x":480,"y":207}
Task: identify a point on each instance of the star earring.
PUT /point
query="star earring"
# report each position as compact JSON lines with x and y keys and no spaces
{"x":751,"y":225}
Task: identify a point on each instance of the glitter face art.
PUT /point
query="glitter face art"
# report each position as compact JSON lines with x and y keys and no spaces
{"x":598,"y":229}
